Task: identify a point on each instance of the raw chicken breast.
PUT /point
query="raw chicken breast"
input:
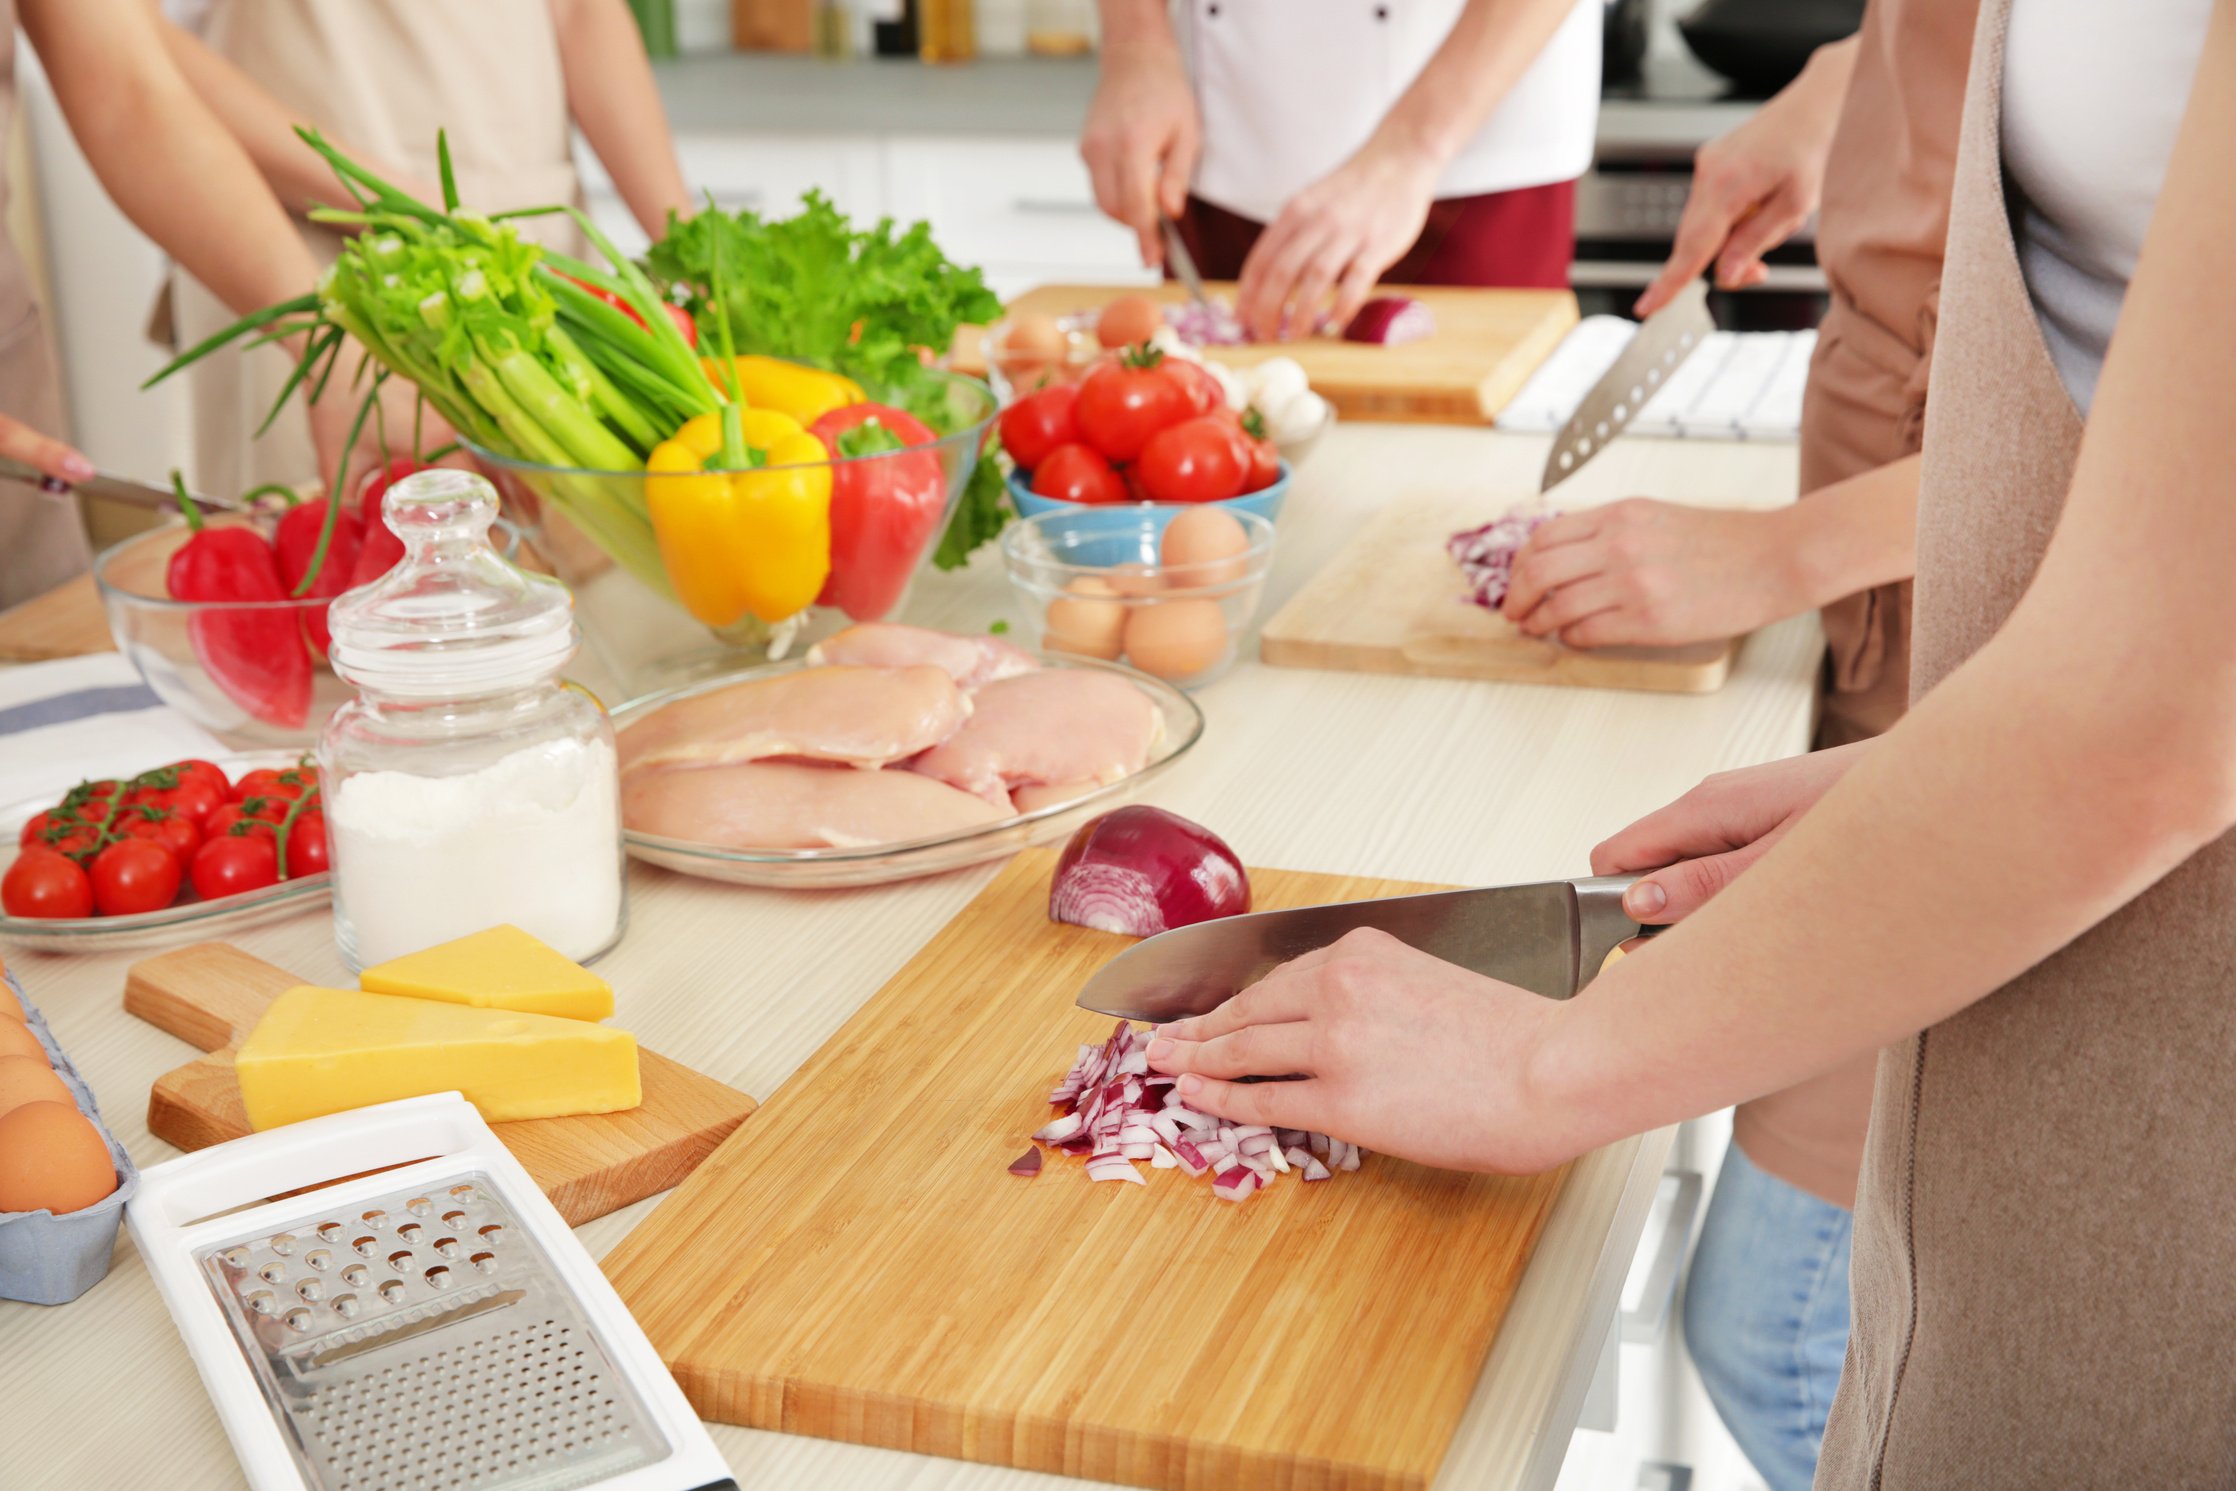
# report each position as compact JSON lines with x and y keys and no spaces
{"x":1048,"y":794}
{"x":1050,"y":725}
{"x":858,"y":716}
{"x":973,"y":662}
{"x":787,"y":805}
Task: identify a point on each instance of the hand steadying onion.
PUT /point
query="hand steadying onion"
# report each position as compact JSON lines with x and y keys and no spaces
{"x":1486,"y":555}
{"x":1141,"y":870}
{"x":1391,"y":321}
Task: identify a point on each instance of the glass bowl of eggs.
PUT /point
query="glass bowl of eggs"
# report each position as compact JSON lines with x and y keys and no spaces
{"x":1171,"y":589}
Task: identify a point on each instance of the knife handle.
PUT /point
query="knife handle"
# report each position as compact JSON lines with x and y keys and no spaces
{"x":1602,"y":925}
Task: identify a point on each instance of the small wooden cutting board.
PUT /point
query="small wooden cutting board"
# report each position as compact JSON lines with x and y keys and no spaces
{"x":1485,"y":346}
{"x":865,"y":1269}
{"x":1393,"y":601}
{"x":211,"y":994}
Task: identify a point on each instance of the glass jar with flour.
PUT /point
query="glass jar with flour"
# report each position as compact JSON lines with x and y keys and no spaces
{"x":466,"y":785}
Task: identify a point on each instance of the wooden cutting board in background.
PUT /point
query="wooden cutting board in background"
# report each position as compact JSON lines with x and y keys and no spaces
{"x":211,"y":994}
{"x":860,"y":1266}
{"x":1393,"y":601}
{"x":1486,"y":344}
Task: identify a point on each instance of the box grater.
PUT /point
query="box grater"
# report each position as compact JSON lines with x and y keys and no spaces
{"x":411,"y":1314}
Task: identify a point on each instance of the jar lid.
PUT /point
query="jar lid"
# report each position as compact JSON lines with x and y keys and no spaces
{"x":453,"y":618}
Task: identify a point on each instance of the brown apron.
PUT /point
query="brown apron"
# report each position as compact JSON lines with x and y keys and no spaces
{"x":2044,"y":1235}
{"x":1880,"y":236}
{"x":383,"y":75}
{"x":42,"y":540}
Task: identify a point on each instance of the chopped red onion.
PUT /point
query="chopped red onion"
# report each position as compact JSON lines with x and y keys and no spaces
{"x":1139,"y":871}
{"x":1113,"y":1122}
{"x":1026,"y":1164}
{"x":1391,"y":320}
{"x":1486,"y":555}
{"x":1207,"y":323}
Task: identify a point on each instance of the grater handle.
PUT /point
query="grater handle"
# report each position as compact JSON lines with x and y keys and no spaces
{"x":297,"y":1156}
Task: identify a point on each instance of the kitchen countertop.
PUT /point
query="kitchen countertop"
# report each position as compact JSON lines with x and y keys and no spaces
{"x":1422,"y":779}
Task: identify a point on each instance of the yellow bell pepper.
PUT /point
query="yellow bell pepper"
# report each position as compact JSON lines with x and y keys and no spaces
{"x":754,"y":539}
{"x":794,"y":388}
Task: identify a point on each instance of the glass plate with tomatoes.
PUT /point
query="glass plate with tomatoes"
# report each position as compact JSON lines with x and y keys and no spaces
{"x":190,"y":917}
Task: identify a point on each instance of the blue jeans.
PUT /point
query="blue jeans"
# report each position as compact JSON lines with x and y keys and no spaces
{"x":1766,"y":1316}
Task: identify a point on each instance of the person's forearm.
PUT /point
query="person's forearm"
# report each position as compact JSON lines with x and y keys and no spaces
{"x":1821,"y":87}
{"x":1854,"y":534}
{"x":1132,"y":24}
{"x":1493,"y":43}
{"x":611,"y":93}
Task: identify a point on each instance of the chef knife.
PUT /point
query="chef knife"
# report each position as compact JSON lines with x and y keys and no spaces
{"x":1665,"y":340}
{"x":113,"y":488}
{"x":1550,"y":938}
{"x":1183,"y":263}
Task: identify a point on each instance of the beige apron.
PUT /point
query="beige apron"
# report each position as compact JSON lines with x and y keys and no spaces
{"x":42,"y":540}
{"x":2045,"y":1237}
{"x":383,"y":75}
{"x":1883,"y":226}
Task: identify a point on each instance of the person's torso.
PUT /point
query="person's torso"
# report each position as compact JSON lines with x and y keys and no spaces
{"x":2092,"y":97}
{"x":16,"y":304}
{"x":1289,"y":89}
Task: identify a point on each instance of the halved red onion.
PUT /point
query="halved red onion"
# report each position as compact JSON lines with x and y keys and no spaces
{"x":1485,"y":555}
{"x":1139,"y":871}
{"x":1391,"y":320}
{"x":1026,"y":1164}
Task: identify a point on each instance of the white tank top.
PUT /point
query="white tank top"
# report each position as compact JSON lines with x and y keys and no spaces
{"x":2093,"y":95}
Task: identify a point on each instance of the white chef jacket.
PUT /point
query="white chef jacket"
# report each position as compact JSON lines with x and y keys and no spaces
{"x":1290,"y":89}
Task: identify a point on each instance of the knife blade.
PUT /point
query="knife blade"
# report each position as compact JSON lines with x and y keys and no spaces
{"x":1550,"y":938}
{"x":1183,"y":263}
{"x":111,"y":488}
{"x":1663,"y":341}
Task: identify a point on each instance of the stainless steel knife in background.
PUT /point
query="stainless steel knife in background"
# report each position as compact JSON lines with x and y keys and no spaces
{"x":1183,"y":263}
{"x":1665,"y":340}
{"x":111,"y":488}
{"x":1550,"y":938}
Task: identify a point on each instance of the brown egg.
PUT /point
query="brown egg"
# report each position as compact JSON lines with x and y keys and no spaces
{"x":1176,"y":638}
{"x":1134,"y":578}
{"x":1081,"y":622}
{"x":1204,"y":546}
{"x":28,"y":1079}
{"x":10,"y":1006}
{"x":1127,"y":320}
{"x":1028,"y":348}
{"x":52,"y":1159}
{"x":17,"y":1040}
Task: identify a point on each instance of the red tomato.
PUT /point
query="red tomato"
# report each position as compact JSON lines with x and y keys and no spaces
{"x":44,"y":884}
{"x":306,"y":844}
{"x":192,"y":800}
{"x":1039,"y":422}
{"x":193,"y":769}
{"x":1265,"y":466}
{"x":290,"y":783}
{"x":60,"y":830}
{"x":134,"y":875}
{"x":1197,"y":460}
{"x":90,"y":800}
{"x":1123,"y":403}
{"x":263,"y":810}
{"x":1205,"y":395}
{"x":172,"y":830}
{"x":1076,"y":473}
{"x":233,"y":863}
{"x":683,"y":323}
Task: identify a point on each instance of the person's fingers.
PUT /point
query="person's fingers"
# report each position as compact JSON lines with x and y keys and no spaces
{"x":1701,"y":231}
{"x":1677,"y":891}
{"x":1758,"y":233}
{"x":1179,"y":168}
{"x":1566,"y":528}
{"x":1269,"y":273}
{"x":1539,"y":571}
{"x":1278,"y":1105}
{"x":1355,"y":289}
{"x":1253,"y":1051}
{"x":23,"y":443}
{"x":1618,"y":626}
{"x":1571,"y":604}
{"x":1280,"y":996}
{"x":1135,"y":171}
{"x":1314,"y":284}
{"x":1712,"y":818}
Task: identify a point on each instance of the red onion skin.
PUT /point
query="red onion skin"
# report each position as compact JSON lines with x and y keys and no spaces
{"x":1140,"y":870}
{"x":1390,"y":321}
{"x":1026,"y":1164}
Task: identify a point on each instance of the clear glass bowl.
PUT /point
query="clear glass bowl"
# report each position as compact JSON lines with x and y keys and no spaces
{"x":590,"y":526}
{"x":158,"y":635}
{"x":880,"y":864}
{"x":190,"y":920}
{"x":1093,"y":584}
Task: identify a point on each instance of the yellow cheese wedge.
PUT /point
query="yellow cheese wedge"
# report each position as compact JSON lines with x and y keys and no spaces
{"x":500,"y":969}
{"x":323,"y":1050}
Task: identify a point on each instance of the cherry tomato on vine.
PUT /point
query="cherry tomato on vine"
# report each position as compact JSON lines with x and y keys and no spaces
{"x":192,"y":799}
{"x":306,"y":844}
{"x":193,"y":769}
{"x":45,"y":884}
{"x":134,"y":875}
{"x":1197,"y":460}
{"x":289,"y":783}
{"x":1121,"y":404}
{"x":175,"y":831}
{"x":264,"y":810}
{"x":233,"y":863}
{"x":1076,"y":473}
{"x":62,"y":831}
{"x":1039,"y":422}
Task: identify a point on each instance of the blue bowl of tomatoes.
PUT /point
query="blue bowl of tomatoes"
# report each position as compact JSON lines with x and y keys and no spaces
{"x":1139,"y":428}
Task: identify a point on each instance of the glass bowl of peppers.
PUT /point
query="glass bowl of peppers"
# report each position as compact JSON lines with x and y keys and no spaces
{"x":224,"y":613}
{"x":802,"y":500}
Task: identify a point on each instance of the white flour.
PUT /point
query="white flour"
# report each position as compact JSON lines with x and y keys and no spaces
{"x":534,"y":840}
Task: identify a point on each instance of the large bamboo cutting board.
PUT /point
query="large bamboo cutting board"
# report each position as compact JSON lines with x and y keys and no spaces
{"x":1393,"y":601}
{"x":1485,"y":346}
{"x":211,"y":994}
{"x":860,"y":1266}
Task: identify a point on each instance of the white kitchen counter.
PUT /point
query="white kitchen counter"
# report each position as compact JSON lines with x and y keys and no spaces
{"x":1422,"y":779}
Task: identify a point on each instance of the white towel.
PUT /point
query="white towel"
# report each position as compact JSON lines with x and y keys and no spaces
{"x":84,"y":719}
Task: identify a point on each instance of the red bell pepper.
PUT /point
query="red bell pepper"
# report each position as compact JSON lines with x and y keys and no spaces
{"x":380,"y":547}
{"x":885,"y":513}
{"x":676,"y":313}
{"x":255,"y":656}
{"x":297,"y":541}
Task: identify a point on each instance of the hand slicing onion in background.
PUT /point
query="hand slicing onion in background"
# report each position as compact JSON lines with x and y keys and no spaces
{"x":1140,"y":870}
